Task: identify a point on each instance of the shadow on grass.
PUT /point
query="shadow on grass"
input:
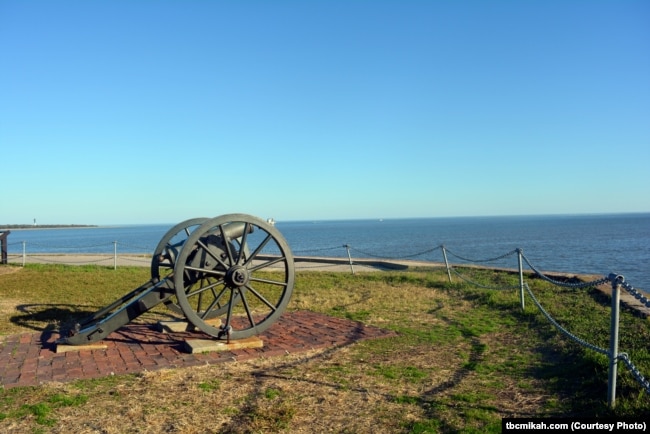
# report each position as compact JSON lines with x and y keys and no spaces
{"x":251,"y":409}
{"x":571,"y":379}
{"x":572,"y":374}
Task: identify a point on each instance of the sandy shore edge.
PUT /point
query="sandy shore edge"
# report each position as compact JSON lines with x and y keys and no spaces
{"x":307,"y":263}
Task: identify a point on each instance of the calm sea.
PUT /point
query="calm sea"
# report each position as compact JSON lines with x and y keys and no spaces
{"x":591,"y":244}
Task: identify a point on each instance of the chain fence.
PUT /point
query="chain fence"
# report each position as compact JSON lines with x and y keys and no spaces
{"x":617,"y":282}
{"x":322,"y":259}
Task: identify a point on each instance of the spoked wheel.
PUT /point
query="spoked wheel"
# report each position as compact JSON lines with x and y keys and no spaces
{"x":237,"y":267}
{"x":168,"y":249}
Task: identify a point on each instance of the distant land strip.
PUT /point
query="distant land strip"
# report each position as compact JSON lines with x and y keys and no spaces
{"x":5,"y":227}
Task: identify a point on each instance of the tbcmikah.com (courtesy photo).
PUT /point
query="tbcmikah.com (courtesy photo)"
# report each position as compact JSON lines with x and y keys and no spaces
{"x":526,"y":425}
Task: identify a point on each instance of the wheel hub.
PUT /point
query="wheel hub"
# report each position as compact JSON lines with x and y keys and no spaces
{"x":237,"y":276}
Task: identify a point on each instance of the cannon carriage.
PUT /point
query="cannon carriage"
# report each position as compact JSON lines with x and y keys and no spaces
{"x":231,"y":277}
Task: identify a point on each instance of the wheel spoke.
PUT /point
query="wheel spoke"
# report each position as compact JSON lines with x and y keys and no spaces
{"x":226,"y":243}
{"x":230,"y":307}
{"x":259,"y":248}
{"x":266,"y":264}
{"x":177,"y":245}
{"x":210,"y":271}
{"x":215,"y":303}
{"x":192,"y":292}
{"x":248,"y":311}
{"x":269,"y":281}
{"x":261,"y":297}
{"x":200,"y":294}
{"x":215,"y":257}
{"x":242,"y":246}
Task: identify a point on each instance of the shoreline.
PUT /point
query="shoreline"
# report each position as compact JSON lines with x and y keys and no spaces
{"x":9,"y":228}
{"x":315,"y":263}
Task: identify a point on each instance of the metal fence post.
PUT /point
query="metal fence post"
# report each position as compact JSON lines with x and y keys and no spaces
{"x":3,"y":246}
{"x":114,"y":255}
{"x":444,"y":255}
{"x":617,"y":281}
{"x":24,"y":253}
{"x":347,"y":247}
{"x":521,"y":279}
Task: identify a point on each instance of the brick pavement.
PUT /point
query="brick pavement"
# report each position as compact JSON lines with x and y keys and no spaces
{"x":30,"y":359}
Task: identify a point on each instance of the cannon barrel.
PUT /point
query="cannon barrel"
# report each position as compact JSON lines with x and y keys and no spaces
{"x":236,"y":230}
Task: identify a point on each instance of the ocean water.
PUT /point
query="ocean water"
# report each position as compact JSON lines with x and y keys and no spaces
{"x":591,"y":244}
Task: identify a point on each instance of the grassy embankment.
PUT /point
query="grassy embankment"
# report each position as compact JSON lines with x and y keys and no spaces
{"x":464,"y":358}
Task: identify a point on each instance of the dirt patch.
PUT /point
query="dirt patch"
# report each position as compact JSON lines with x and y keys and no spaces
{"x":8,"y":269}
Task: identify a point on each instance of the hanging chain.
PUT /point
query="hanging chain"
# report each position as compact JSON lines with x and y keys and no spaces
{"x":396,"y":257}
{"x":562,"y":329}
{"x":636,"y":294}
{"x":634,"y":371}
{"x":483,"y":260}
{"x":481,"y":285}
{"x":565,"y":284}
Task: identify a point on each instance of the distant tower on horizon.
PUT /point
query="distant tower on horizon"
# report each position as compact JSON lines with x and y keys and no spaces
{"x":34,"y":222}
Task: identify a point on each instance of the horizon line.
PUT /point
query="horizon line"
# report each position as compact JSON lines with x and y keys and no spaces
{"x":298,"y":220}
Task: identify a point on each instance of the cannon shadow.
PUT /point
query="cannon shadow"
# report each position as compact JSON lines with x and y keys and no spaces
{"x":43,"y":317}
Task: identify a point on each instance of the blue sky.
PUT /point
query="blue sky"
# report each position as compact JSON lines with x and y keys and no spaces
{"x":157,"y":111}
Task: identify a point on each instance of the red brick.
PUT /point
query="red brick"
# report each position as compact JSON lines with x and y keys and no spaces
{"x":28,"y":359}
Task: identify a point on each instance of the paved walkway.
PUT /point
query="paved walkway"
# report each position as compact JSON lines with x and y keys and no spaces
{"x":30,"y":359}
{"x":301,"y":263}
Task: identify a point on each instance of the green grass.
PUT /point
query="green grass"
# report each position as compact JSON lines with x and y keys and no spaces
{"x":210,"y":386}
{"x":41,"y":411}
{"x":463,"y":358}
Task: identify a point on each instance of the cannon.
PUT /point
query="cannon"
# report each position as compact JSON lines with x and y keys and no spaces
{"x":231,"y":277}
